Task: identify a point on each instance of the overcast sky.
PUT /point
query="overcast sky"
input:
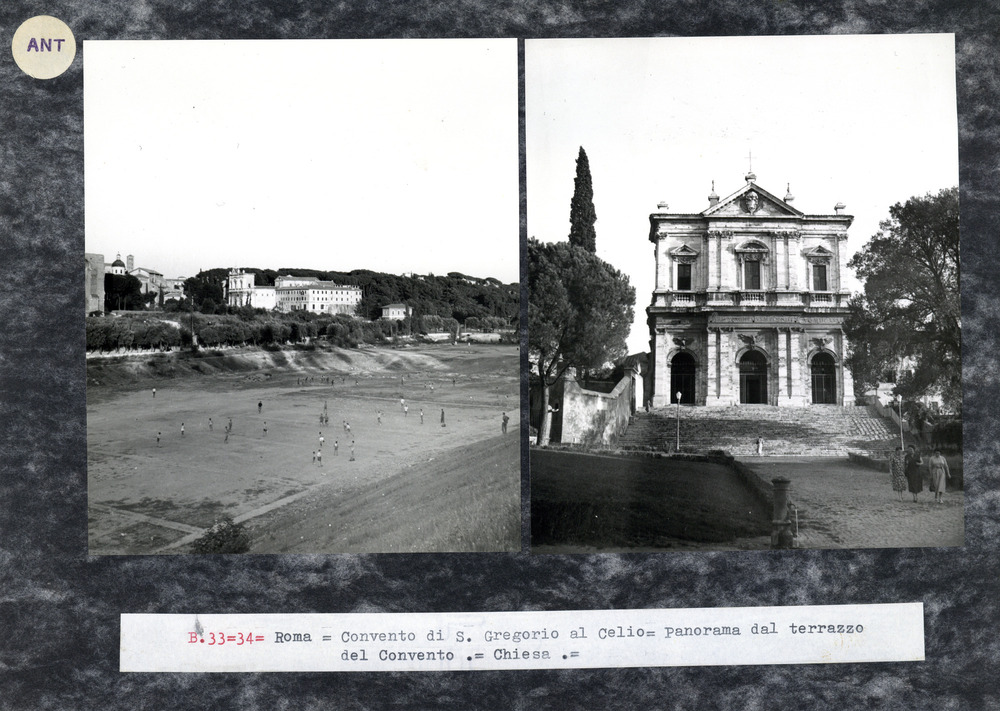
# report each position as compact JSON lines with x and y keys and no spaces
{"x":865,"y":120}
{"x":392,"y":155}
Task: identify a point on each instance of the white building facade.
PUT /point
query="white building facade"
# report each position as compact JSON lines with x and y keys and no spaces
{"x":749,"y":304}
{"x":291,"y":294}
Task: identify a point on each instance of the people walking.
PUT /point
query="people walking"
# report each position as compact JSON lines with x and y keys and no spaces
{"x":209,"y":424}
{"x":897,"y":472}
{"x":940,"y":473}
{"x":260,"y":406}
{"x":442,"y":417}
{"x":914,"y":476}
{"x":182,"y":429}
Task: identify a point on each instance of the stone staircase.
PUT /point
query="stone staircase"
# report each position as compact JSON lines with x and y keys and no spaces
{"x":815,"y":431}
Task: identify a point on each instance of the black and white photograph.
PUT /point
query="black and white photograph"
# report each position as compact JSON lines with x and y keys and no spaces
{"x":302,"y":296}
{"x":744,"y":298}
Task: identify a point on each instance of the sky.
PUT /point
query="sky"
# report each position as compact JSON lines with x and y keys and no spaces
{"x":869,"y":121}
{"x":398,"y":156}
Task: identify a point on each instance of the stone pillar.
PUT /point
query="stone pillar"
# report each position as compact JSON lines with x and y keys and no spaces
{"x":795,"y":356}
{"x":781,"y":533}
{"x":726,"y":367}
{"x":661,"y":371}
{"x":847,"y":378}
{"x":712,"y":367}
{"x":783,"y":386}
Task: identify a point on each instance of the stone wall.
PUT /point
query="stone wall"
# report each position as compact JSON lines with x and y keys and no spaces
{"x":594,"y":418}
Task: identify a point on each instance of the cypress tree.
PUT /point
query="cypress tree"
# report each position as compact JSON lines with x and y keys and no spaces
{"x":582,"y":215}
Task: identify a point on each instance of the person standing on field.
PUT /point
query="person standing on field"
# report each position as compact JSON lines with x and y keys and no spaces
{"x":914,"y":477}
{"x":940,"y":473}
{"x":503,"y":425}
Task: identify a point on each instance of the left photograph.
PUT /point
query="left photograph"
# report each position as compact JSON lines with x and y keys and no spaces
{"x":302,"y":300}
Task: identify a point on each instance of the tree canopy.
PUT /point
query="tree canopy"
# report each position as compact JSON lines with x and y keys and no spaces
{"x":909,"y":318}
{"x":582,"y":214}
{"x":580,"y":311}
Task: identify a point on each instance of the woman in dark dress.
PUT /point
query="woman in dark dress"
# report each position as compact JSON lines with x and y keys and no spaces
{"x":914,"y":477}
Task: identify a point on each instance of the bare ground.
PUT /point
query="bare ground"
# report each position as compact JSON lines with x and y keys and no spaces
{"x":412,"y":486}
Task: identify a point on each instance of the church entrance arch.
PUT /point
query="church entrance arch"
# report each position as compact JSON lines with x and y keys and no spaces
{"x":753,"y":378}
{"x":683,"y":372}
{"x":824,"y":379}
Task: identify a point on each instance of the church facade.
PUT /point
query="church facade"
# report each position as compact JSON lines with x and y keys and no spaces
{"x":749,"y":303}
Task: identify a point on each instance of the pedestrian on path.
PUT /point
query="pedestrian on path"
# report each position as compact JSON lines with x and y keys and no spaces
{"x":321,"y":440}
{"x":154,"y":392}
{"x":352,"y":450}
{"x":503,"y":423}
{"x":442,"y":418}
{"x":914,"y":476}
{"x":157,"y":439}
{"x":897,"y":471}
{"x":421,"y":415}
{"x":940,"y":473}
{"x":265,"y":428}
{"x":182,"y":429}
{"x":319,"y":456}
{"x":760,"y":446}
{"x":260,"y":406}
{"x":336,"y":446}
{"x":209,"y":424}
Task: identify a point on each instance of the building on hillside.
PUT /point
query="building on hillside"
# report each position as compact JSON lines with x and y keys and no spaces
{"x":749,"y":303}
{"x":291,"y":294}
{"x":396,"y":312}
{"x":240,"y":289}
{"x":151,"y":280}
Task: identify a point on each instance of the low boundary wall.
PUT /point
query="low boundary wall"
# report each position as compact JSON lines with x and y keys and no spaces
{"x":594,"y":418}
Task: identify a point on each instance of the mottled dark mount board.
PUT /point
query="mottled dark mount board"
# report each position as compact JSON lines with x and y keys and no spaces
{"x":59,"y":609}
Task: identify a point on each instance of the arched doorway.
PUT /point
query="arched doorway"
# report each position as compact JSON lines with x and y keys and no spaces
{"x":682,"y":378}
{"x":753,"y":378}
{"x":824,"y":379}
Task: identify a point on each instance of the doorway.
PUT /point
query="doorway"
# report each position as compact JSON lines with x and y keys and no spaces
{"x":824,"y":379}
{"x":753,"y":378}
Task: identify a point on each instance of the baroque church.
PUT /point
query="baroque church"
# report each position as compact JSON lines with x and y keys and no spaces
{"x":749,"y":303}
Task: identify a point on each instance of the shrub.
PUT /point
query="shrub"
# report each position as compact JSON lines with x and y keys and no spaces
{"x":224,"y":537}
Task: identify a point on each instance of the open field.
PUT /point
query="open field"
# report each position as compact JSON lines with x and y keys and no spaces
{"x":412,"y":487}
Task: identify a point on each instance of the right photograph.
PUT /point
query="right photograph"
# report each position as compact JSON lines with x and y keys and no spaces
{"x":744,"y":317}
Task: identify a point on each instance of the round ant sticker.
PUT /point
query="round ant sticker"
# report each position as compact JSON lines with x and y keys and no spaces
{"x":43,"y":47}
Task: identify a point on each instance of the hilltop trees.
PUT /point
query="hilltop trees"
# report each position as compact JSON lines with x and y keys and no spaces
{"x":911,"y":305}
{"x":580,"y":311}
{"x":582,"y":214}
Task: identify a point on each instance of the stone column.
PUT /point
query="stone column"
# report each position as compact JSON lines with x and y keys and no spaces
{"x":847,"y":378}
{"x":781,"y":534}
{"x":661,"y":371}
{"x":797,"y":395}
{"x":712,"y":367}
{"x":782,"y":387}
{"x":726,"y":353}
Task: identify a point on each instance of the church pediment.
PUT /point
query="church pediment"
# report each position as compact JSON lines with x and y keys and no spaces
{"x":819,"y":254}
{"x":752,"y":201}
{"x":683,"y":254}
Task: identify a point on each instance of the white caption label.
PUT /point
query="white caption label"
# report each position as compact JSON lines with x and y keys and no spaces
{"x":464,"y":641}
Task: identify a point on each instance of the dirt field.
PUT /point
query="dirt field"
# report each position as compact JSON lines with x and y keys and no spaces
{"x":412,"y":486}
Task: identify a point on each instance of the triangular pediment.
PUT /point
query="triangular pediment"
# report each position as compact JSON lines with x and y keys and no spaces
{"x":752,"y":201}
{"x":683,"y":251}
{"x":819,"y":251}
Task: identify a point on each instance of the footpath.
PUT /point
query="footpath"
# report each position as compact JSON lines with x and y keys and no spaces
{"x":845,"y":505}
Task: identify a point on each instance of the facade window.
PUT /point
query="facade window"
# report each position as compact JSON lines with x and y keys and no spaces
{"x":684,"y":277}
{"x":819,"y":277}
{"x":751,"y":274}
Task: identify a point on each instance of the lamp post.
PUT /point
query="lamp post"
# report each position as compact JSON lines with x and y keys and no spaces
{"x":899,"y":406}
{"x":677,"y":447}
